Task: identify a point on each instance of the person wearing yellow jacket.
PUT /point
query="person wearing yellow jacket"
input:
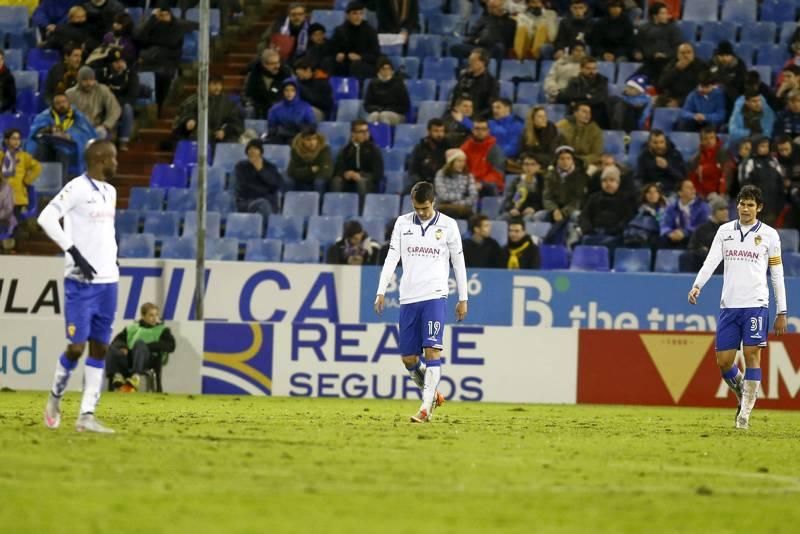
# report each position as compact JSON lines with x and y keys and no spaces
{"x":20,"y":169}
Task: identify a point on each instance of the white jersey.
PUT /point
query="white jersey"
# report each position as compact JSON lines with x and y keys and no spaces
{"x":426,"y":250}
{"x":87,"y":207}
{"x":747,"y":252}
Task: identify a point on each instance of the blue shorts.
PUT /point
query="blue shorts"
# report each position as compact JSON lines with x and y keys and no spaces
{"x":742,"y":326}
{"x":89,"y":311}
{"x":421,"y":326}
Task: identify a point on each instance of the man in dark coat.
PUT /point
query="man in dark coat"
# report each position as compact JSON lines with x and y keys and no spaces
{"x":699,"y":244}
{"x":74,"y":30}
{"x":494,"y":32}
{"x":680,"y":77}
{"x":606,"y":212}
{"x":315,"y":91}
{"x":577,"y":26}
{"x":481,"y":251}
{"x":359,"y":165}
{"x":477,"y":84}
{"x":661,"y":162}
{"x":590,"y":87}
{"x":258,"y":182}
{"x":520,"y":252}
{"x":262,"y":86}
{"x":355,"y":45}
{"x":612,"y":36}
{"x":160,"y":43}
{"x":100,"y":16}
{"x":428,"y":157}
{"x":224,"y":120}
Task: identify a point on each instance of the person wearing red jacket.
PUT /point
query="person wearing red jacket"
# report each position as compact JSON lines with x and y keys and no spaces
{"x":712,"y":166}
{"x":485,"y":159}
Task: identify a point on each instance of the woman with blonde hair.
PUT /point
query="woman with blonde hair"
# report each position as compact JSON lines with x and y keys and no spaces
{"x":456,"y":189}
{"x":540,"y":137}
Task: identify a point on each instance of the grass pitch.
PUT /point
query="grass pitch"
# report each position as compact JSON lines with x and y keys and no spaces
{"x":244,"y":464}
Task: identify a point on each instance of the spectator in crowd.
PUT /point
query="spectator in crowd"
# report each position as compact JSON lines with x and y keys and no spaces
{"x":485,"y":159}
{"x":711,"y":167}
{"x":481,"y":250}
{"x":751,"y":116}
{"x":428,"y":157}
{"x":311,"y":162}
{"x":577,"y":26}
{"x":477,"y":84}
{"x":96,"y":102}
{"x":788,"y":120}
{"x":258,"y":182}
{"x":8,"y":219}
{"x":682,"y":216}
{"x":540,"y":137}
{"x":137,"y":349}
{"x":705,"y":106}
{"x":657,"y":41}
{"x":524,"y":194}
{"x":456,"y":189}
{"x":589,"y":86}
{"x":703,"y":237}
{"x":64,"y":75}
{"x":564,"y":189}
{"x":627,"y":185}
{"x":289,"y":36}
{"x":537,"y":28}
{"x":18,"y":167}
{"x":354,"y":248}
{"x":59,"y":134}
{"x":386,"y":99}
{"x":493,"y":32}
{"x":315,"y":90}
{"x":520,"y":251}
{"x":51,"y":12}
{"x":289,"y":116}
{"x":680,"y":77}
{"x":741,"y":152}
{"x":262,"y":86}
{"x":644,"y":229}
{"x":506,"y":127}
{"x":752,"y":79}
{"x":566,"y":68}
{"x":606,"y":212}
{"x":74,"y":30}
{"x":458,"y":121}
{"x":121,"y":36}
{"x":225,"y":122}
{"x":583,"y":135}
{"x":318,"y":52}
{"x":728,"y":72}
{"x":124,"y":84}
{"x":788,"y":81}
{"x":612,"y":37}
{"x":789,"y":157}
{"x":632,"y":110}
{"x":100,"y":15}
{"x":359,"y":165}
{"x":8,"y":86}
{"x":355,"y":45}
{"x":160,"y":43}
{"x":660,"y":162}
{"x":396,"y":16}
{"x":762,"y":170}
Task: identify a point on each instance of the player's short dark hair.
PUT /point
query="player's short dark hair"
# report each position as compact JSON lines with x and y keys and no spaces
{"x":146,"y":307}
{"x":422,"y":192}
{"x":94,"y":149}
{"x":435,"y":123}
{"x":516,"y":220}
{"x":476,"y":220}
{"x":751,"y":192}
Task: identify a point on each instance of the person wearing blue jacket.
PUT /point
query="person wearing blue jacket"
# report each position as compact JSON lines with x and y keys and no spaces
{"x":287,"y":117}
{"x":506,"y":127}
{"x":705,"y":105}
{"x":60,"y":133}
{"x":682,"y":216}
{"x":632,"y":110}
{"x":751,"y":115}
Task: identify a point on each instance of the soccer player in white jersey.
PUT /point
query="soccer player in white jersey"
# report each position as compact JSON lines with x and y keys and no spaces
{"x":426,"y":241}
{"x":748,"y":247}
{"x":87,"y":205}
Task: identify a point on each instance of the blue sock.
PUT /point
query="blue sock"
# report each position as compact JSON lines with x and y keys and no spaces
{"x":64,"y":369}
{"x":417,"y":372}
{"x":753,"y":373}
{"x":730,"y":376}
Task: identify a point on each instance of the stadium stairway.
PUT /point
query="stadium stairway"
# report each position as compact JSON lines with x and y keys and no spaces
{"x":231,"y":51}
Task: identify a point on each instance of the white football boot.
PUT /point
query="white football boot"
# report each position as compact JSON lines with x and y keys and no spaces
{"x":88,"y":423}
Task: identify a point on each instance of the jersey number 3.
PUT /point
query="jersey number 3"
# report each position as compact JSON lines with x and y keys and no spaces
{"x":756,"y":324}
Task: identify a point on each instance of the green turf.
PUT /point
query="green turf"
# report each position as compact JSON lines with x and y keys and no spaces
{"x":243,"y":464}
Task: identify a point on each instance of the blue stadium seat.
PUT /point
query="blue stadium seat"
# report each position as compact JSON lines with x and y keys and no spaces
{"x":668,"y":261}
{"x":664,"y":118}
{"x":791,"y":264}
{"x":408,"y":65}
{"x":50,"y":180}
{"x":431,"y":7}
{"x":764,"y":72}
{"x":614,"y":141}
{"x":348,"y":110}
{"x":589,"y":258}
{"x":193,"y":14}
{"x":405,"y":205}
{"x":182,"y":199}
{"x":446,"y":89}
{"x":538,"y":229}
{"x":555,"y":112}
{"x":285,"y":227}
{"x":377,"y":205}
{"x":759,"y":33}
{"x":787,"y":31}
{"x":704,"y":50}
{"x":215,"y":179}
{"x":166,"y":175}
{"x":345,"y":88}
{"x":243,"y":226}
{"x":337,"y":133}
{"x":439,"y":68}
{"x":490,"y":206}
{"x":607,"y":69}
{"x":127,"y":221}
{"x":772,"y":55}
{"x":222,"y":202}
{"x":394,"y":160}
{"x":521,"y":110}
{"x":42,"y":59}
{"x":529,"y":93}
{"x":328,"y":18}
{"x":688,"y":29}
{"x":191,"y":42}
{"x":441,"y":24}
{"x":186,"y":153}
{"x":745,"y":52}
{"x":342,"y":204}
{"x":161,"y":223}
{"x":135,"y":13}
{"x":21,"y":121}
{"x":638,"y":141}
{"x":179,"y":248}
{"x":395,"y":183}
{"x":301,"y":251}
{"x":424,"y":45}
{"x":257,"y":125}
{"x":375,"y":227}
{"x":278,"y":155}
{"x":26,"y":79}
{"x":719,"y":30}
{"x":406,"y":136}
{"x":327,"y":229}
{"x":740,"y":11}
{"x":632,"y":260}
{"x":701,"y":11}
{"x":626,"y":69}
{"x":554,"y":257}
{"x":264,"y":250}
{"x":381,"y":134}
{"x":790,"y":239}
{"x":507,"y":89}
{"x":514,"y":70}
{"x":462,"y":227}
{"x":227,"y":155}
{"x":148,"y":79}
{"x":222,"y":249}
{"x":429,"y":109}
{"x":13,"y":58}
{"x":421,"y":89}
{"x":685,"y":142}
{"x":137,"y":246}
{"x":12,"y":18}
{"x":142,"y":198}
{"x":499,"y":231}
{"x":305,"y":203}
{"x":213,"y":220}
{"x":778,"y":11}
{"x":30,"y":103}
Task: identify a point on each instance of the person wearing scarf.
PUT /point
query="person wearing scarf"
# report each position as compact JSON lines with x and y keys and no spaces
{"x":520,"y":251}
{"x":296,"y":26}
{"x":396,"y":16}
